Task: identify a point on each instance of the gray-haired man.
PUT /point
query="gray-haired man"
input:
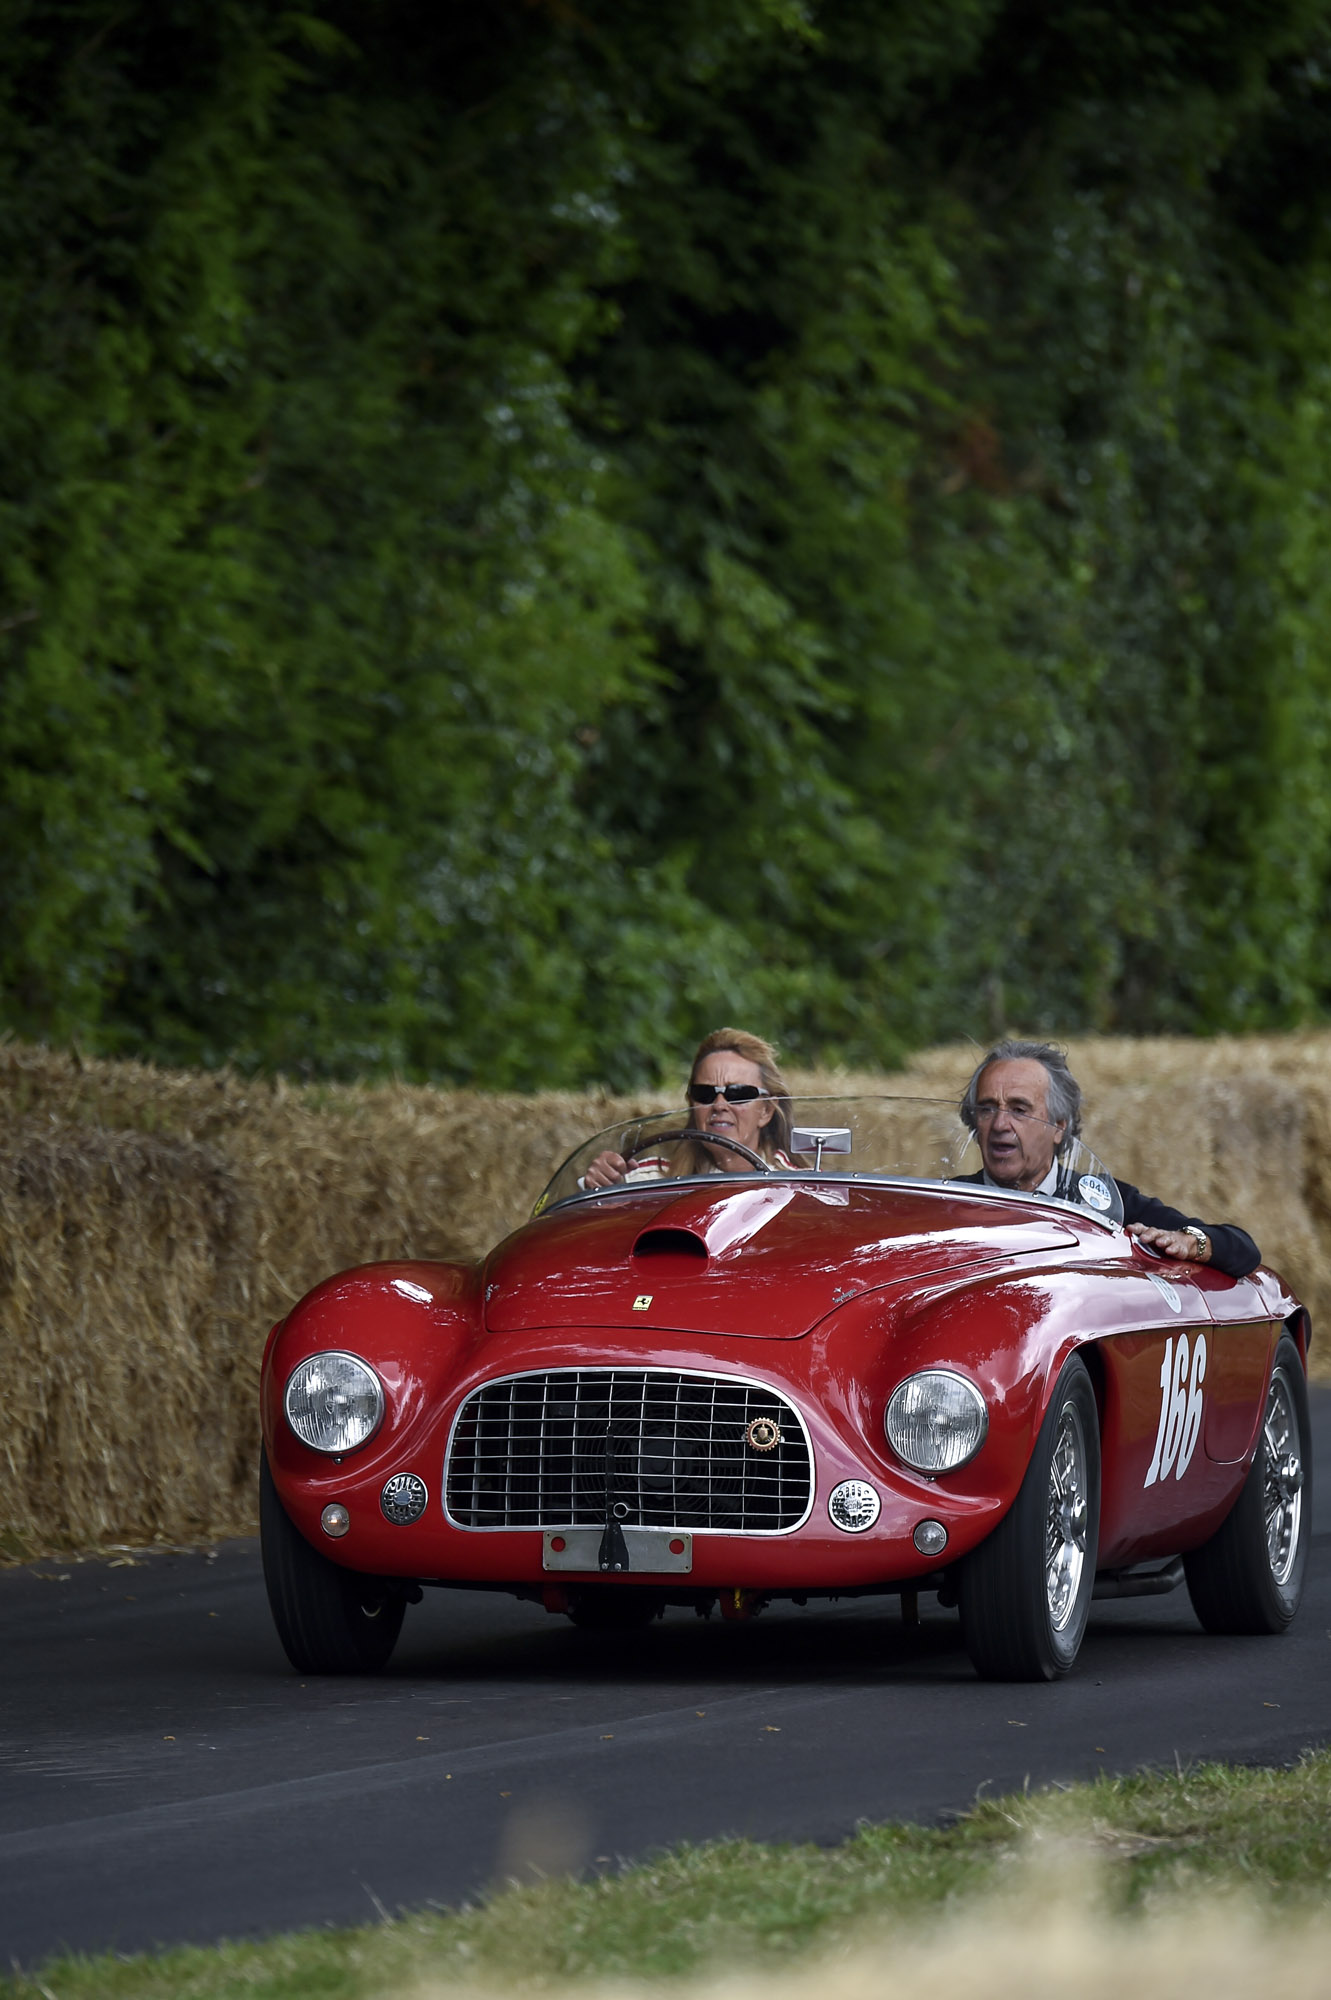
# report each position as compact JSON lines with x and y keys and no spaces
{"x":1023,"y":1102}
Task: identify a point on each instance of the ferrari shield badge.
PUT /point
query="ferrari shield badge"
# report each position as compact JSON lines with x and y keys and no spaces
{"x":643,"y":1300}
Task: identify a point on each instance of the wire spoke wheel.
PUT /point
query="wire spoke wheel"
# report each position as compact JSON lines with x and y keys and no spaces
{"x":1283,"y":1482}
{"x":1065,"y":1538}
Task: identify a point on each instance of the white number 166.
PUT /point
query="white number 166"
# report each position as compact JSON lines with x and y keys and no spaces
{"x":1180,"y":1408}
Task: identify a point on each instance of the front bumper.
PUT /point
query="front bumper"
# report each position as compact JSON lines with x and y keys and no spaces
{"x":813,"y":1557}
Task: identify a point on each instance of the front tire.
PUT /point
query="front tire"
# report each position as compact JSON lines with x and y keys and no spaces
{"x":330,"y":1620}
{"x":1249,"y":1577}
{"x":1025,"y":1593}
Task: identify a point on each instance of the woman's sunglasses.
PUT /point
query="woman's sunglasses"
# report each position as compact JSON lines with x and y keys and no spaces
{"x":734,"y":1093}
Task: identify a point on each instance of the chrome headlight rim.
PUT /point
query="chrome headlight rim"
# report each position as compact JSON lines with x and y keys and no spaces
{"x":970,"y":1390}
{"x":357,"y":1361}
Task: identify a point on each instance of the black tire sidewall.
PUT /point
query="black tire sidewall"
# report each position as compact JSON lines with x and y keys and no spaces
{"x":1072,"y":1390}
{"x":1006,"y":1621}
{"x":1229,"y":1577}
{"x":321,"y":1609}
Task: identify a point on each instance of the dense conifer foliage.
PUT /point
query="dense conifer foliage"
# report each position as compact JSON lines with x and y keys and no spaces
{"x":525,"y":529}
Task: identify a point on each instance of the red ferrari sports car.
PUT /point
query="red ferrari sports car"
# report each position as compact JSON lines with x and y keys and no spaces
{"x":851,"y":1371}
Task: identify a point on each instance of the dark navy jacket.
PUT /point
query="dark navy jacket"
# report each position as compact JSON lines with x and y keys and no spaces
{"x":1232,"y":1249}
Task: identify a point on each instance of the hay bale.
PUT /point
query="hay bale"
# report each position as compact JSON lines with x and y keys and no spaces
{"x":122,"y":1320}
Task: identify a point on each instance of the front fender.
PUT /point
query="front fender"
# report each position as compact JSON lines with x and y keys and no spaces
{"x":413,"y":1323}
{"x":1008,"y":1333}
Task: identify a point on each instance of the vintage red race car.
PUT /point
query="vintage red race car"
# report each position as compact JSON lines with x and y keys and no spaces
{"x":858,"y":1373}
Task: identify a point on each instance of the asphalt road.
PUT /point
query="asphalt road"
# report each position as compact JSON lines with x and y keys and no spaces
{"x":164,"y":1777}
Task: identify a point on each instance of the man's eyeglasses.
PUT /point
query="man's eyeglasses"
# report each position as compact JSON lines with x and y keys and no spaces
{"x":985,"y":1114}
{"x":734,"y":1093}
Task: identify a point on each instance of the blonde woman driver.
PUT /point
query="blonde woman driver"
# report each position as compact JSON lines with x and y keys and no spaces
{"x":736,"y":1091}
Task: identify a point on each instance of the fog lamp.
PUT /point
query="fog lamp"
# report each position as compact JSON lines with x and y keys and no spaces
{"x":853,"y":1506}
{"x":403,"y":1499}
{"x":930,"y":1538}
{"x":335,"y":1520}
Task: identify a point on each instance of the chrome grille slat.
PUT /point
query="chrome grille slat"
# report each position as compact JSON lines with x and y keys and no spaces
{"x":529,"y":1451}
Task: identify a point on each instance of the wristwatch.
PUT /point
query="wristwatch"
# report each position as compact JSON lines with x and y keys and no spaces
{"x":1201,"y":1239}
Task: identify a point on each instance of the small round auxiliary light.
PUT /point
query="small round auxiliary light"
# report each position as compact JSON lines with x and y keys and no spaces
{"x":930,"y":1538}
{"x":403,"y":1499}
{"x":335,"y":1520}
{"x":853,"y":1506}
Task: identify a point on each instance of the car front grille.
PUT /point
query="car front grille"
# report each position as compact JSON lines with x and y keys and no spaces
{"x":656,"y":1447}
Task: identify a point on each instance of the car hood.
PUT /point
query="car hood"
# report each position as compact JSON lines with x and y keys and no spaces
{"x":763,"y":1261}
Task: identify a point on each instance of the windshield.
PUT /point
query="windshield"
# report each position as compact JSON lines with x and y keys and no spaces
{"x":830,"y":1139}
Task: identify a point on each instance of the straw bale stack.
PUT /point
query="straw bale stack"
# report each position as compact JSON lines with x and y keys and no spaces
{"x":154,"y":1224}
{"x":123,"y":1335}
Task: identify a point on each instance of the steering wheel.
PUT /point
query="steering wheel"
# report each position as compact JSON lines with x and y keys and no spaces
{"x":708,"y":1138}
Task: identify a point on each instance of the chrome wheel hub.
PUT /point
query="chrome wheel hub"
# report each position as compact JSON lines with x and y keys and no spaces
{"x":1283,"y":1483}
{"x":1066,"y":1519}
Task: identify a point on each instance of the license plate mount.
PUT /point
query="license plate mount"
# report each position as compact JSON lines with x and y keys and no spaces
{"x":652,"y":1551}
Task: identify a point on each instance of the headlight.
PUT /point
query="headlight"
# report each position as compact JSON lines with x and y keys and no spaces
{"x":334,"y":1402}
{"x":936,"y":1420}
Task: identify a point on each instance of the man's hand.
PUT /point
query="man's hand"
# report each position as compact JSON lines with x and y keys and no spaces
{"x":605,"y":1171}
{"x":1180,"y":1244}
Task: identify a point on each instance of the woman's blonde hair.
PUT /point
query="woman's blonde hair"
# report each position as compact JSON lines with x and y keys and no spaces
{"x":695,"y":1157}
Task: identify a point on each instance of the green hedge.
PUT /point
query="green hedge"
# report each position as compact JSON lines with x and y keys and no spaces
{"x":527,"y":529}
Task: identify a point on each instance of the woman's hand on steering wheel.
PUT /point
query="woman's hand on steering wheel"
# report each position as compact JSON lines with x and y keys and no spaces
{"x":704,"y":1139}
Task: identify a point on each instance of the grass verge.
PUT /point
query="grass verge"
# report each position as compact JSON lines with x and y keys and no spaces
{"x":1221,"y":1855}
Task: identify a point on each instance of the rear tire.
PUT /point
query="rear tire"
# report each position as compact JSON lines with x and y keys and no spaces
{"x":1249,"y":1577}
{"x":1025,"y":1593}
{"x":330,"y":1620}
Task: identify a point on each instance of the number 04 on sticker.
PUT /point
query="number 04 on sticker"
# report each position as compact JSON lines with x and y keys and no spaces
{"x":1180,"y":1408}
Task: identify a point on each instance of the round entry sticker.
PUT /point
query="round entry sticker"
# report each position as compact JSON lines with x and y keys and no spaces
{"x":1094,"y":1192}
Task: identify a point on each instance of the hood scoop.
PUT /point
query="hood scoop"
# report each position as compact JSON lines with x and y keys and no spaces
{"x":672,"y":1244}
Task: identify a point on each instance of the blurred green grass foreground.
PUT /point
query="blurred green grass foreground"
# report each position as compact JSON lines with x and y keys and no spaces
{"x":1210,"y":1879}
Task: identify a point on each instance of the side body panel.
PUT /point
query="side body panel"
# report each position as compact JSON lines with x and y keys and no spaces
{"x":1182,"y":1402}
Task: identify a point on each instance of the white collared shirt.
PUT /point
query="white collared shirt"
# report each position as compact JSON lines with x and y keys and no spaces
{"x":1049,"y":1185}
